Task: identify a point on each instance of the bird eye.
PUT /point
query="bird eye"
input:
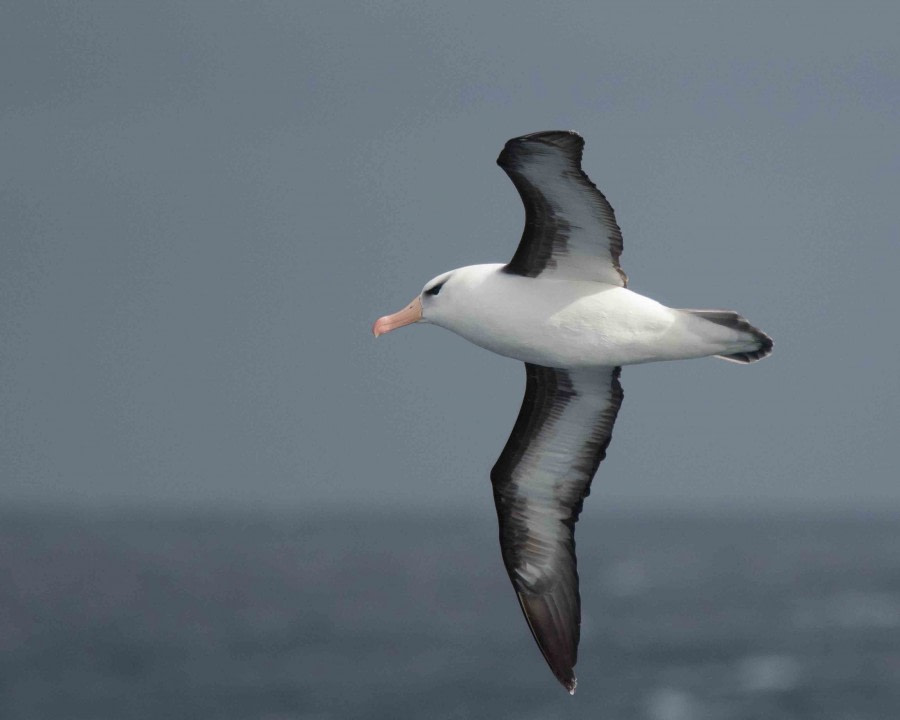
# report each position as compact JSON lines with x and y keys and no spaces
{"x":434,"y":289}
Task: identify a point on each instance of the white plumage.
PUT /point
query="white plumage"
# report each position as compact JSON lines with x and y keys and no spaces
{"x":563,"y":323}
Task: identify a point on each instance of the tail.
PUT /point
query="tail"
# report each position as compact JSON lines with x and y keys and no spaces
{"x":759,"y":344}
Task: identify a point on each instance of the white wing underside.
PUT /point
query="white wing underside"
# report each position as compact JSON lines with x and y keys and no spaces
{"x":570,"y":227}
{"x":540,"y":481}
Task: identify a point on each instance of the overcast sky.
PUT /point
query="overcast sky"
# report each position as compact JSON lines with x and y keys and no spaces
{"x":204,"y":206}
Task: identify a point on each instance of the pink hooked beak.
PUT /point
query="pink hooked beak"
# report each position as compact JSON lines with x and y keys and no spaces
{"x":410,"y":314}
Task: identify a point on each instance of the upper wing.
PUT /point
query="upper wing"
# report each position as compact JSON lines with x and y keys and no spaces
{"x":540,"y":481}
{"x":570,"y":228}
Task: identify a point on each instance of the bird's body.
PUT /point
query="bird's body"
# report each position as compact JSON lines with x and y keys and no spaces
{"x":576,"y":323}
{"x":561,"y":306}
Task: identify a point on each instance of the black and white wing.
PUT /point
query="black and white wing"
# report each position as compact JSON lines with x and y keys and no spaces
{"x":540,"y":481}
{"x":570,"y":228}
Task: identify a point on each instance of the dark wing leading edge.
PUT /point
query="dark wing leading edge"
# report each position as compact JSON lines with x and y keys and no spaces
{"x":570,"y":228}
{"x":540,"y":481}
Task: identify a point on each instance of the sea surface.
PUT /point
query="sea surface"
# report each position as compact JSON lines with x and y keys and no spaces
{"x":287,"y":617}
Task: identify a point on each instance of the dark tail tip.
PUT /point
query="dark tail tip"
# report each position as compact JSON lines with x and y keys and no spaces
{"x":732,"y":320}
{"x":765,"y":349}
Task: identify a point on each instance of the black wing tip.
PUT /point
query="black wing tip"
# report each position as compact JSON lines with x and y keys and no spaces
{"x":556,"y":636}
{"x":567,"y":680}
{"x":549,"y":136}
{"x":567,"y":140}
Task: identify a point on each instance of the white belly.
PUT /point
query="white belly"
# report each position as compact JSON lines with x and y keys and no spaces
{"x":565,"y":323}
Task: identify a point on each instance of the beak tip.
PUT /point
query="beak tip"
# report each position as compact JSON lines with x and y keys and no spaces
{"x":410,"y":314}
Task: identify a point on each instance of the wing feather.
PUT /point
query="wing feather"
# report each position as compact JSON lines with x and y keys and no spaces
{"x":570,"y":227}
{"x":540,"y":481}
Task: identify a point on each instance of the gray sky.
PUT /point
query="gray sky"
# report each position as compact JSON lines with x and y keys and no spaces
{"x":204,"y":206}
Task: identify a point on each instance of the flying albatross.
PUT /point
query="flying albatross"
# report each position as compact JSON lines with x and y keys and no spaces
{"x":562,"y":306}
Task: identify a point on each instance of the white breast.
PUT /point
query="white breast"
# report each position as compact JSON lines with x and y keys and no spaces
{"x":561,"y":323}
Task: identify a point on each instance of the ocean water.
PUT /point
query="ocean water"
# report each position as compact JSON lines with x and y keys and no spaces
{"x":352,"y":616}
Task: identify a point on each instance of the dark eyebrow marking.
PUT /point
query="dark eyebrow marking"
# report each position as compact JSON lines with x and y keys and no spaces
{"x":435,"y":289}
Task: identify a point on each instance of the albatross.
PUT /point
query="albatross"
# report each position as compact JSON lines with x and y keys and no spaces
{"x":562,"y":306}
